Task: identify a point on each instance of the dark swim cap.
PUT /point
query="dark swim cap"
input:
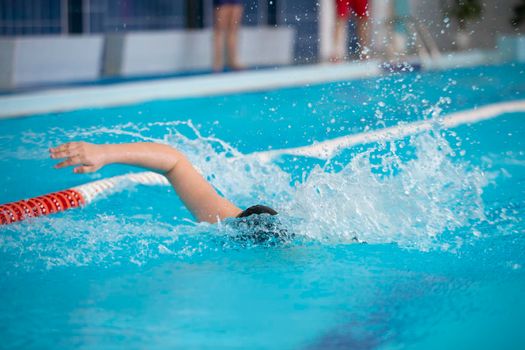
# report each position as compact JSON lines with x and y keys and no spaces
{"x":257,"y":210}
{"x":258,"y":225}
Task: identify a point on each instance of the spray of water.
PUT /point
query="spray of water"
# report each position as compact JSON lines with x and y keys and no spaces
{"x":376,"y":198}
{"x":373,"y":196}
{"x":411,"y":205}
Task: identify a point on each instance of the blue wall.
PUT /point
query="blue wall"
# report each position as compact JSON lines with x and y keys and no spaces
{"x":26,"y":17}
{"x":127,"y":15}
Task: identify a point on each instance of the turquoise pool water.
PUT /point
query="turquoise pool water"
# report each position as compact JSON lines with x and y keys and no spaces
{"x":442,"y":215}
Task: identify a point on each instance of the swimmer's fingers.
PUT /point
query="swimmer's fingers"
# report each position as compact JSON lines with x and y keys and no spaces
{"x":89,"y":157}
{"x":65,"y":150}
{"x":69,"y":161}
{"x":61,"y":154}
{"x":66,"y":146}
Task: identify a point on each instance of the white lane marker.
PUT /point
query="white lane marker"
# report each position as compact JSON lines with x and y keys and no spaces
{"x":327,"y":149}
{"x":92,"y":190}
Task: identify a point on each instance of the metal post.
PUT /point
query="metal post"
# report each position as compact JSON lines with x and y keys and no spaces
{"x":86,"y":16}
{"x":64,"y":17}
{"x":75,"y":17}
{"x":262,"y":11}
{"x":272,"y":12}
{"x":194,"y":14}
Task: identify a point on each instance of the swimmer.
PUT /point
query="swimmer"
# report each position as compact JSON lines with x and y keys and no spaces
{"x":197,"y":194}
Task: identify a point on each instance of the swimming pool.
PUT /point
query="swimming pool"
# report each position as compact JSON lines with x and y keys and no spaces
{"x":441,"y":213}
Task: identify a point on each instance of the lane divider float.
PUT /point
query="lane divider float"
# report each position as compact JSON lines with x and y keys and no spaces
{"x":75,"y":197}
{"x":327,"y":149}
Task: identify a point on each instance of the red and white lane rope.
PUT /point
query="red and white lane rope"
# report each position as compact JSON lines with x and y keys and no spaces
{"x":72,"y":198}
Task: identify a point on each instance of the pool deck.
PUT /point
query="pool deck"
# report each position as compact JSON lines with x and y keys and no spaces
{"x":99,"y":96}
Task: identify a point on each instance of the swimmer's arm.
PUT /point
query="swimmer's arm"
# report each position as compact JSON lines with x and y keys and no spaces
{"x":197,"y":194}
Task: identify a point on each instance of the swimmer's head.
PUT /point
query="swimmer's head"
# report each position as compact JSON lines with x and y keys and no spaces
{"x":260,"y":225}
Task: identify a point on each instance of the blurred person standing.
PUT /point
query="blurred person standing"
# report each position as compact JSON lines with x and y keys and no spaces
{"x":228,"y":16}
{"x":343,"y":10}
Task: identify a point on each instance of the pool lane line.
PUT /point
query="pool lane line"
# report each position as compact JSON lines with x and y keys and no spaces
{"x":84,"y":194}
{"x":327,"y":149}
{"x":50,"y":203}
{"x":92,"y":190}
{"x":74,"y":197}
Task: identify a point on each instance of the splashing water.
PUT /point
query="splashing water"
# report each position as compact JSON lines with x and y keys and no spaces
{"x":411,"y":203}
{"x":431,"y":193}
{"x":423,"y":198}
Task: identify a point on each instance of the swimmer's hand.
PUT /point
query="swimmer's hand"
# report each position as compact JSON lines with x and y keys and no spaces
{"x":89,"y":157}
{"x":86,"y":156}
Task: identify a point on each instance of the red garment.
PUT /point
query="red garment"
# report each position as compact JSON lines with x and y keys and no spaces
{"x":360,"y":8}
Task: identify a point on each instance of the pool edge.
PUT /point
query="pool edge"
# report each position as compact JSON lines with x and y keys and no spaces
{"x":75,"y":97}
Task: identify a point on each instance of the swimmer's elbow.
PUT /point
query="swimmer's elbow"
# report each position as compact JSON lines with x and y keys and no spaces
{"x":172,"y":159}
{"x":174,"y":164}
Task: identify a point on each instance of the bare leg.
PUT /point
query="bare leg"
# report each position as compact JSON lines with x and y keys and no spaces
{"x":362,"y":34}
{"x":219,"y":30}
{"x":232,"y":35}
{"x":339,"y":46}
